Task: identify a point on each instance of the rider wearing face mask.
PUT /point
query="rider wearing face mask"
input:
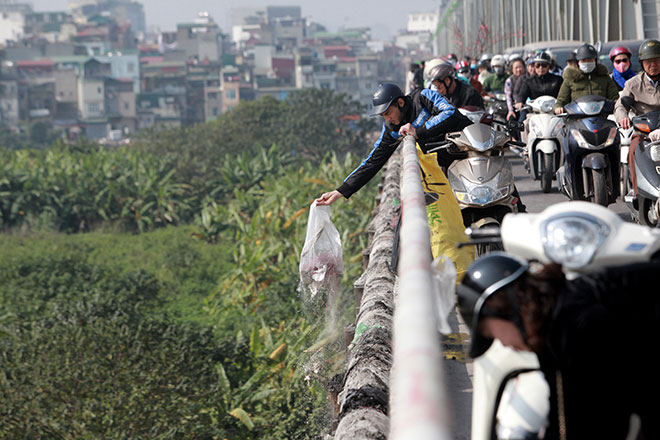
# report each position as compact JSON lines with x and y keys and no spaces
{"x":590,"y":78}
{"x":622,"y":68}
{"x":495,"y":81}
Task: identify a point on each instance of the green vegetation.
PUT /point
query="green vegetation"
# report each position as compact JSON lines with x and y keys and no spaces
{"x":176,"y":314}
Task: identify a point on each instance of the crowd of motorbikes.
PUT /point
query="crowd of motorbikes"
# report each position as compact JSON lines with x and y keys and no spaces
{"x":585,"y":153}
{"x":582,"y":150}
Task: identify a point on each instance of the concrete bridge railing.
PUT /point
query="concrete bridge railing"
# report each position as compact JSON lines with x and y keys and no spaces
{"x":393,"y":386}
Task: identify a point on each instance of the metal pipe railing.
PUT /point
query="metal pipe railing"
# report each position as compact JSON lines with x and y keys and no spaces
{"x":418,"y":401}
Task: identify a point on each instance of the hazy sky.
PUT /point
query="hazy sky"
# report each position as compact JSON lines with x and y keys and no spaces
{"x":385,"y":17}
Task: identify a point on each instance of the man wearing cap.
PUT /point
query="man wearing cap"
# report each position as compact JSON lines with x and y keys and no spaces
{"x":423,"y":114}
{"x":644,"y":88}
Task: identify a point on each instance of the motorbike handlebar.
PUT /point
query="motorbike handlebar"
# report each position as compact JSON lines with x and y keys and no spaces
{"x":485,"y":232}
{"x":485,"y":235}
{"x":438,"y":146}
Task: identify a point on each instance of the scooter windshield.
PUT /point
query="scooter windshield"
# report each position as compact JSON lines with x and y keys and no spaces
{"x":480,"y":137}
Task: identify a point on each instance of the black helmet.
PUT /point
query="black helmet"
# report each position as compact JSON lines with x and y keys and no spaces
{"x":484,"y":277}
{"x":542,"y":56}
{"x":384,"y":95}
{"x":441,"y":71}
{"x":586,"y":51}
{"x":649,"y":49}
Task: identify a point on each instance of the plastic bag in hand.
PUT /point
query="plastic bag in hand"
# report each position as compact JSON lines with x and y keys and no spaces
{"x":321,"y":261}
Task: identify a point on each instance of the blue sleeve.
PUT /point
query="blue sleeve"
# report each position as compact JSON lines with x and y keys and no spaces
{"x":438,"y":106}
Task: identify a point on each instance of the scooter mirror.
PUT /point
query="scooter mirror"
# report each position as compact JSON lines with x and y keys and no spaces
{"x":628,"y":102}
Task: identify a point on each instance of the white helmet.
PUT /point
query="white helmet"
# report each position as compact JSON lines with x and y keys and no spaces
{"x":430,"y":64}
{"x":498,"y":60}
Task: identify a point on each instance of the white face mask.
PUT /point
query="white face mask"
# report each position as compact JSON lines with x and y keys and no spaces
{"x":433,"y":87}
{"x":587,"y":67}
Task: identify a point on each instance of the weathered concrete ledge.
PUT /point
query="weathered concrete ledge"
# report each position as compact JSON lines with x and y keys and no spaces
{"x":363,"y":400}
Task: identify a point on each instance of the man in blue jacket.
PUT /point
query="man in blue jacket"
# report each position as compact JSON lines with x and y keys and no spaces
{"x":423,"y":114}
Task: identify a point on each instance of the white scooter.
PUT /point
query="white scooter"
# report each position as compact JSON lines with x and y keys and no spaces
{"x":511,"y":397}
{"x":626,"y":135}
{"x":545,"y":135}
{"x":626,"y":138}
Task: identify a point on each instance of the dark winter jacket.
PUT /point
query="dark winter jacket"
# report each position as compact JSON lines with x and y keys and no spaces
{"x":603,"y":339}
{"x":465,"y":95}
{"x":577,"y":84}
{"x":534,"y":86}
{"x":430,"y":114}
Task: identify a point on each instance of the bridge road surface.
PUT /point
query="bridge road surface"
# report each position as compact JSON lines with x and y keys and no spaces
{"x":457,"y":366}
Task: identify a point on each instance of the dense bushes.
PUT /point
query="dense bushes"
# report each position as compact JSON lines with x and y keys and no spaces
{"x":192,"y":330}
{"x":168,"y":177}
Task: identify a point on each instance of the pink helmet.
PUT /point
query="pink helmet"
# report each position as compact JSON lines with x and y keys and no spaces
{"x":618,"y":51}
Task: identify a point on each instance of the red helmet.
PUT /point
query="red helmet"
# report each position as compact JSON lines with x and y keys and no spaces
{"x":618,"y":51}
{"x":462,"y":65}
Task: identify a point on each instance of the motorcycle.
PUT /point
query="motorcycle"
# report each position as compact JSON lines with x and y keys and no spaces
{"x":626,"y":138}
{"x":482,"y":180}
{"x":497,"y":108}
{"x":642,"y":197}
{"x":544,"y":141}
{"x":626,"y":135}
{"x":511,"y":396}
{"x":590,"y":169}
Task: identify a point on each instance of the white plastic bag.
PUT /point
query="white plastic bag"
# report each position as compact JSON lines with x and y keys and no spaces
{"x":444,"y":277}
{"x":321,"y":260}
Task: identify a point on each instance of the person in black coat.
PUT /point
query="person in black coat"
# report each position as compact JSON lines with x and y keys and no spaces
{"x":595,"y":338}
{"x":458,"y":93}
{"x":542,"y":83}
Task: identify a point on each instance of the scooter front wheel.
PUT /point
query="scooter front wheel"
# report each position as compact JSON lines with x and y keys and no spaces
{"x":600,"y":187}
{"x":647,"y":215}
{"x":546,"y":172}
{"x":626,"y":185}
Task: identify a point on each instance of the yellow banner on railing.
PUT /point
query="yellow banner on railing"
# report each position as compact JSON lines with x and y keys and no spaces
{"x":444,"y":215}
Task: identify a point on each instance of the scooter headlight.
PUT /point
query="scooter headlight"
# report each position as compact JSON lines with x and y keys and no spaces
{"x":582,"y":143}
{"x":535,"y":128}
{"x":572,"y":240}
{"x":556,"y":130}
{"x":591,"y":108}
{"x":471,"y":193}
{"x":654,"y":151}
{"x":611,"y":137}
{"x":546,"y":105}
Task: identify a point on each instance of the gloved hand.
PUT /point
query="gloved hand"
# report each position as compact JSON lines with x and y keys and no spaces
{"x":655,"y":135}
